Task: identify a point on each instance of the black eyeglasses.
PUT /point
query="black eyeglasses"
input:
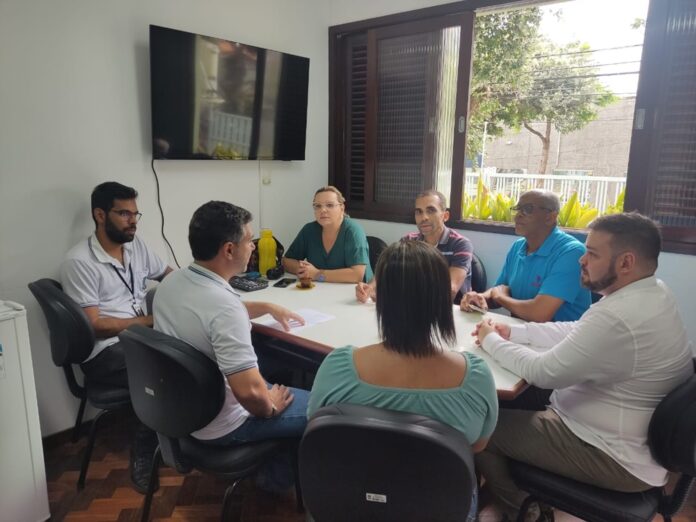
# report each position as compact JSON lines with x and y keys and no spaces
{"x":528,"y":209}
{"x":128,"y":215}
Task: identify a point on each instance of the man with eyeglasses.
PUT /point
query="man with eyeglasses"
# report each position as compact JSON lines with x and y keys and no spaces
{"x":540,"y":280}
{"x":610,"y":370}
{"x":106,"y":275}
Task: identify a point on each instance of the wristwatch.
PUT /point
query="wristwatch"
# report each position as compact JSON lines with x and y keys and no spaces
{"x":321,"y":278}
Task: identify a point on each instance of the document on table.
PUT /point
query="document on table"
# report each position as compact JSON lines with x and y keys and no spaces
{"x":310,"y":316}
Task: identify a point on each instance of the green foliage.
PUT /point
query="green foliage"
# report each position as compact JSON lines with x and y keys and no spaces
{"x":486,"y":205}
{"x":505,"y":42}
{"x":618,"y":206}
{"x":574,"y":215}
{"x":564,"y":89}
{"x":497,"y":207}
{"x":222,"y":152}
{"x":519,"y":77}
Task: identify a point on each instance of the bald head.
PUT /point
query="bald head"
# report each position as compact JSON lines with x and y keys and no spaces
{"x":543,"y":198}
{"x":536,"y":215}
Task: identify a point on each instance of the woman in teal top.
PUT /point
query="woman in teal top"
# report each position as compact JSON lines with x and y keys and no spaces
{"x":412,"y":370}
{"x":333,"y":248}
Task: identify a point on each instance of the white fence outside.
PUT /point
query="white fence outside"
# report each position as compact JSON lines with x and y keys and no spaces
{"x":598,"y":191}
{"x":231,"y":131}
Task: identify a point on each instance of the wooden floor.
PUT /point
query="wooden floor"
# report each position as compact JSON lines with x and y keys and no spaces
{"x":108,"y":495}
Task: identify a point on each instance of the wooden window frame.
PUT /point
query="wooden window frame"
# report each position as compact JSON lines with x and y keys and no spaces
{"x":642,"y":155}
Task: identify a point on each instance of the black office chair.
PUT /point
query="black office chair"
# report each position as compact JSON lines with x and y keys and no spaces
{"x":479,"y":280}
{"x":176,"y":390}
{"x":376,"y":246}
{"x":672,"y":441}
{"x":365,"y":463}
{"x":72,"y":340}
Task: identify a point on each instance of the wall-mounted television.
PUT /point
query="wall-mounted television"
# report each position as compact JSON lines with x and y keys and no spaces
{"x":217,"y":99}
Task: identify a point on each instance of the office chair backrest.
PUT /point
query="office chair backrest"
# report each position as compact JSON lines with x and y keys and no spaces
{"x":72,"y":335}
{"x":672,"y":430}
{"x":365,"y":463}
{"x":175,"y":389}
{"x":376,"y":246}
{"x":479,"y":280}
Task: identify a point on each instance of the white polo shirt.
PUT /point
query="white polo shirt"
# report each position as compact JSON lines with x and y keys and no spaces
{"x":198,"y":306}
{"x":91,"y":277}
{"x":609,"y":370}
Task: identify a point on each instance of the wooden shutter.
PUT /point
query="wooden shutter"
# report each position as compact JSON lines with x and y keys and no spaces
{"x":662,"y":166}
{"x":388,"y":104}
{"x":356,"y":99}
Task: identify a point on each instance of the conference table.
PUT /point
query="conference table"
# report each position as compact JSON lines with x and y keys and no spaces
{"x":335,"y":318}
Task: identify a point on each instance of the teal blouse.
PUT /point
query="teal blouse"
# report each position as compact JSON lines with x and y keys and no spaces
{"x":472,"y":407}
{"x":349,"y":249}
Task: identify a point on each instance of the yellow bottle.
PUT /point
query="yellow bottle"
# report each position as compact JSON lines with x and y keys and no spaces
{"x":267,"y":251}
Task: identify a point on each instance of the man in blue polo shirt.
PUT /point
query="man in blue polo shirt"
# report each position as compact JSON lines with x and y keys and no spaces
{"x":540,"y":280}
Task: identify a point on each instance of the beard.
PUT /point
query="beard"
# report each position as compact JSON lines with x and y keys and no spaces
{"x":603,"y":282}
{"x":116,"y":235}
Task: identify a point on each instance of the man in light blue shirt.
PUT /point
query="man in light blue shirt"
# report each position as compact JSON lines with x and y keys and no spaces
{"x":540,"y":280}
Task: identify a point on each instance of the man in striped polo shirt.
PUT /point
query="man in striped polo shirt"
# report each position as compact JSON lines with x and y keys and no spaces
{"x":431,"y":213}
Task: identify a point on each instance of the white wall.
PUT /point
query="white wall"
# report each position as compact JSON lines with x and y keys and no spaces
{"x":75,"y":106}
{"x":74,"y":111}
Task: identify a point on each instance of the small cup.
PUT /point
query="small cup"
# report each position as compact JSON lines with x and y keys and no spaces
{"x":306,"y":282}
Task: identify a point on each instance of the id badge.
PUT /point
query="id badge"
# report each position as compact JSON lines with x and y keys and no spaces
{"x":138,"y":310}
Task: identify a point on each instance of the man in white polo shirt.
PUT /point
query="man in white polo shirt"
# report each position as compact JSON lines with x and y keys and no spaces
{"x":106,"y":274}
{"x":197,"y":304}
{"x":610,"y":369}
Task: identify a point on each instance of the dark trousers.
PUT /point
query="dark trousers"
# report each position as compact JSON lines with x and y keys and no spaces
{"x":531,"y":399}
{"x":109,"y":367}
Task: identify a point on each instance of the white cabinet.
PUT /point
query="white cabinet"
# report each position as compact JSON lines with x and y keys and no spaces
{"x":23,"y":496}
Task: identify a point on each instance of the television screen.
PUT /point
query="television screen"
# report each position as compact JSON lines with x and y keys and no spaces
{"x":216,"y":99}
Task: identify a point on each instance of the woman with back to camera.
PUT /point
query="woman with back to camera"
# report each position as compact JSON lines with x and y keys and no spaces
{"x":332,"y":248}
{"x":412,"y":370}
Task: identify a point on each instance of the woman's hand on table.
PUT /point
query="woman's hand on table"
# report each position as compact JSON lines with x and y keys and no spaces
{"x":307,"y":269}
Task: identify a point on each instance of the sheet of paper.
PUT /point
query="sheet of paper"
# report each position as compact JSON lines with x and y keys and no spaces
{"x":310,"y":316}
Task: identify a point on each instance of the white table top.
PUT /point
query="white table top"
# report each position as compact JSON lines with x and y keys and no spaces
{"x":355,"y":324}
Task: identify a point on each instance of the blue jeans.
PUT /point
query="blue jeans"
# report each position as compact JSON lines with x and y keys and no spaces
{"x":277,"y":475}
{"x":288,"y":424}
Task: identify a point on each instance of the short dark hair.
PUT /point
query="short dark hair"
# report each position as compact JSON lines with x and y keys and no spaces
{"x":414,"y":301}
{"x":104,"y":194}
{"x":214,"y":224}
{"x":631,"y":231}
{"x":432,"y":192}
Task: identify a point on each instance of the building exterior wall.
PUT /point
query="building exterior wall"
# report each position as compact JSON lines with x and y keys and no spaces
{"x":602,"y":146}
